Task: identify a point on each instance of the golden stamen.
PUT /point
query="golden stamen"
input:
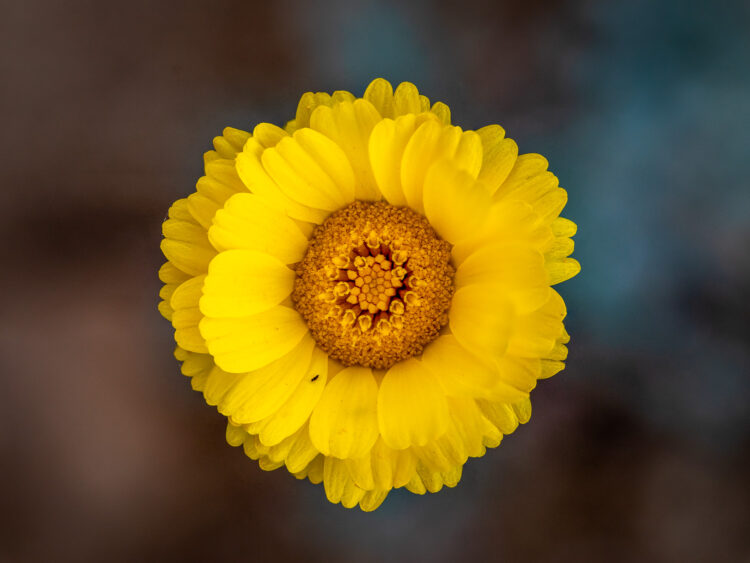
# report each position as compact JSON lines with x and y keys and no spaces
{"x":369,"y":300}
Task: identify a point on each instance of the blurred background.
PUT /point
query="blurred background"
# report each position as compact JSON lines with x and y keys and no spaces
{"x":638,"y":451}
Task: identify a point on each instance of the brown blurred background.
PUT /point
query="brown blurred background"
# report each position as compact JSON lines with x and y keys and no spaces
{"x":637,"y":452}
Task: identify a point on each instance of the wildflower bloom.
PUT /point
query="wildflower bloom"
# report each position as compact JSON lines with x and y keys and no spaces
{"x":366,"y":293}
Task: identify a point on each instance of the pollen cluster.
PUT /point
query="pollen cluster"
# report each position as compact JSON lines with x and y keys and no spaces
{"x":375,"y":284}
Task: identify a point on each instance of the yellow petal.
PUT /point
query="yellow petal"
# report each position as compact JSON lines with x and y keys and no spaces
{"x":442,"y":111}
{"x":468,"y":155}
{"x":381,"y":458}
{"x":372,"y":500}
{"x":454,"y":203}
{"x":296,"y":410}
{"x":510,"y":222}
{"x":514,"y":269}
{"x":534,"y":335}
{"x":210,"y":188}
{"x":349,"y":125}
{"x":499,"y":156}
{"x":262,"y":392}
{"x":526,"y":167}
{"x":185,"y":242}
{"x":198,"y":382}
{"x":235,"y":435}
{"x":522,"y":410}
{"x":472,"y":426}
{"x":564,"y":338}
{"x":243,"y":282}
{"x":466,"y":437}
{"x":195,"y":366}
{"x":558,"y":249}
{"x":344,"y":424}
{"x":308,"y":103}
{"x":431,"y":142}
{"x":332,"y":160}
{"x":225,"y":147}
{"x":211,"y":193}
{"x":386,"y":148}
{"x":180,"y":212}
{"x":412,"y":409}
{"x":492,"y":442}
{"x":481,"y":320}
{"x":519,"y":372}
{"x":248,"y":343}
{"x":223,"y":173}
{"x":444,"y":453}
{"x":188,"y":256}
{"x":335,"y":478}
{"x":560,"y":271}
{"x":462,"y":374}
{"x":266,"y":464}
{"x":352,"y":495}
{"x":424,"y":103}
{"x":562,"y":227}
{"x":187,"y":335}
{"x":340,"y":96}
{"x":218,"y":383}
{"x":406,"y":99}
{"x":202,"y":208}
{"x":312,"y":170}
{"x":246,"y":221}
{"x":168,"y":289}
{"x":302,"y":452}
{"x":254,"y":176}
{"x":550,"y":368}
{"x":165,"y":310}
{"x":210,"y":156}
{"x":249,"y":446}
{"x":236,"y":137}
{"x":254,"y":427}
{"x":219,"y":184}
{"x":451,"y":478}
{"x":500,"y":414}
{"x":339,"y":486}
{"x":380,"y":94}
{"x":170,"y":274}
{"x":391,"y":468}
{"x":186,"y":316}
{"x":279,"y":452}
{"x":416,"y":485}
{"x":315,"y":470}
{"x":268,"y":134}
{"x":530,"y":182}
{"x":360,"y":470}
{"x":559,"y":352}
{"x":547,"y":199}
{"x":432,"y":481}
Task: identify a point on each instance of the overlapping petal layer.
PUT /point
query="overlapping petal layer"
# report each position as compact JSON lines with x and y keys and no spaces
{"x":232,"y":247}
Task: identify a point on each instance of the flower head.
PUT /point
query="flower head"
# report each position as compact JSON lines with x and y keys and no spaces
{"x":366,"y":293}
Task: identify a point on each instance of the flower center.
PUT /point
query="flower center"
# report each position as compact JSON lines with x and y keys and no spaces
{"x":375,"y":284}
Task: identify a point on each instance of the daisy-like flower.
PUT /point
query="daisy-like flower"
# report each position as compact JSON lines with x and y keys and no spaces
{"x":366,"y":293}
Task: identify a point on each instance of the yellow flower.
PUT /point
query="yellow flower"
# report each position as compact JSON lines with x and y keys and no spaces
{"x":366,"y":293}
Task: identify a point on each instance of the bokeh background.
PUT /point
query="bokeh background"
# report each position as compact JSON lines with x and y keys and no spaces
{"x":638,"y":451}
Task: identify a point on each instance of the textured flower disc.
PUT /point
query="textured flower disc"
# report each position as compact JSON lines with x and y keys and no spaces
{"x":375,"y":284}
{"x":366,"y":293}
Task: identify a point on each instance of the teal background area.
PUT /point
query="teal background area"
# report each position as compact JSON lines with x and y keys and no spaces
{"x":638,"y":451}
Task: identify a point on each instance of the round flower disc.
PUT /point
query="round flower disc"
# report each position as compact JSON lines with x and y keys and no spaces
{"x":375,"y":284}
